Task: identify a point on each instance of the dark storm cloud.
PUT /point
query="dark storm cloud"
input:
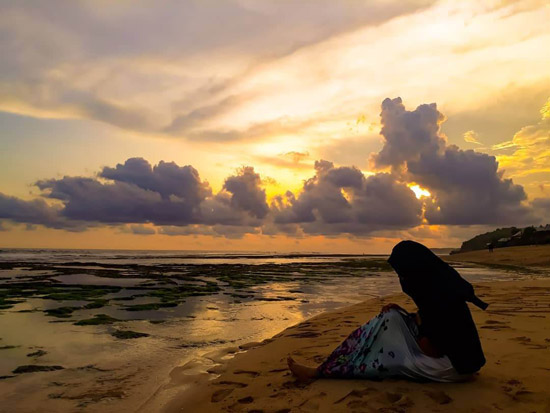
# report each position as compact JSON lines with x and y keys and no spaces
{"x":466,"y":186}
{"x":343,"y":200}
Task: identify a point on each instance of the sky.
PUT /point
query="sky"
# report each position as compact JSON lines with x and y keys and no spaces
{"x":272,"y":125}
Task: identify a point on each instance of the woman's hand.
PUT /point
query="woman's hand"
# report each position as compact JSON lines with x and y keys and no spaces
{"x":391,"y":306}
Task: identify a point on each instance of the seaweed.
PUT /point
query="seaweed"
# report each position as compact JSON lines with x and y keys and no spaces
{"x":98,"y":319}
{"x":32,"y":368}
{"x":8,"y":347}
{"x":38,"y":353}
{"x":128,"y":334}
{"x":150,"y":306}
{"x":61,"y":312}
{"x":96,"y":304}
{"x":6,"y":304}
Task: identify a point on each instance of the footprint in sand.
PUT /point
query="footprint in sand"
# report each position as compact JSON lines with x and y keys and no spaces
{"x":246,"y":400}
{"x":314,"y":402}
{"x":221,"y":394}
{"x":357,"y":393}
{"x":522,"y":339}
{"x":399,"y":400}
{"x":278,"y":370}
{"x":495,"y":325}
{"x":438,"y":396}
{"x":234,"y":384}
{"x":305,"y":334}
{"x":250,"y":373}
{"x":516,"y":390}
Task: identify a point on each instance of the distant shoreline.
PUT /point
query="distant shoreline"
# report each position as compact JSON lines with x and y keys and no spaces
{"x":531,"y":256}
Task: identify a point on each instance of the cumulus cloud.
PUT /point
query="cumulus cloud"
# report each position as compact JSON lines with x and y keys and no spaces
{"x":35,"y":211}
{"x":343,"y":200}
{"x":246,"y":193}
{"x":166,"y":178}
{"x":137,"y":193}
{"x":467,"y":187}
{"x":464,"y":187}
{"x":408,"y":134}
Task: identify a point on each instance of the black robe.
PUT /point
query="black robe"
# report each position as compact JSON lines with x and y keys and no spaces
{"x":440,"y":294}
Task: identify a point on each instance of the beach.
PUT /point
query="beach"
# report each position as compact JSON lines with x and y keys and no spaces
{"x":523,"y":256}
{"x":514,"y":331}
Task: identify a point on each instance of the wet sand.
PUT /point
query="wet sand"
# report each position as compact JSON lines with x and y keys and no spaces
{"x":515,"y":333}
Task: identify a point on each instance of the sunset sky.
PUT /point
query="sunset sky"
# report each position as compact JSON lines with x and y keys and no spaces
{"x":273,"y":125}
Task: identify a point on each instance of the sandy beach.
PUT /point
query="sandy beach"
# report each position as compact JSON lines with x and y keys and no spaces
{"x":515,"y":333}
{"x":524,"y":256}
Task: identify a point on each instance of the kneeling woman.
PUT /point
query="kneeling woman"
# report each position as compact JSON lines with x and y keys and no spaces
{"x":439,"y":343}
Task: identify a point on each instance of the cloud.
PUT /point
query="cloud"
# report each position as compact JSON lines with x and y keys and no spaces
{"x":138,"y":193}
{"x":289,"y":160}
{"x":542,"y":209}
{"x":466,"y":186}
{"x":94,"y":60}
{"x":35,"y":211}
{"x":139,"y":230}
{"x":342,"y":200}
{"x":472,"y":136}
{"x":530,"y":148}
{"x":246,"y":193}
{"x":166,"y":178}
{"x":407,"y":135}
{"x":463,"y":187}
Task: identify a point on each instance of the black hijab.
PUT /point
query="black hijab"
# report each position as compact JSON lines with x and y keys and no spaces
{"x":440,"y":294}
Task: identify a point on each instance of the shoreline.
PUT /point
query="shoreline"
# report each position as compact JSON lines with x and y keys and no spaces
{"x":530,"y":256}
{"x":515,"y":334}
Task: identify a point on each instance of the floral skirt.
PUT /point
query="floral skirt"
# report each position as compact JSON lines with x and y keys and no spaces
{"x":386,"y":347}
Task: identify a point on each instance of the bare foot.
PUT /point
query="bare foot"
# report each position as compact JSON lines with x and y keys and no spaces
{"x":303,"y":373}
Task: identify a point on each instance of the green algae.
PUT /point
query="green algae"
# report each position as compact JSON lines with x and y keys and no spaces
{"x":32,"y":368}
{"x":96,"y":304}
{"x":8,"y":347}
{"x":128,"y":334}
{"x":61,"y":312}
{"x":150,"y":306}
{"x":98,"y":319}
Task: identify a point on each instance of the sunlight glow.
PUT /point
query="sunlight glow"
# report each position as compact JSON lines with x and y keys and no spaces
{"x":418,"y":191}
